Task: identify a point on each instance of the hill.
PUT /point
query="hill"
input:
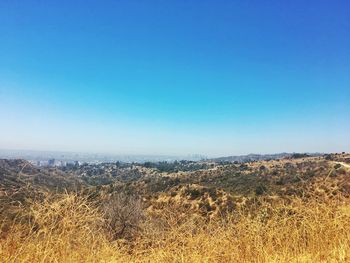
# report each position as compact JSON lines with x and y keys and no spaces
{"x":262,"y":157}
{"x":171,"y":212}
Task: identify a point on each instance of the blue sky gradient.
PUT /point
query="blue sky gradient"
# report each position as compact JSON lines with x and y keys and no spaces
{"x":175,"y":77}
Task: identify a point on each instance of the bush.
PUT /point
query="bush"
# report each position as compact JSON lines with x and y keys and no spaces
{"x":123,"y":214}
{"x":337,"y":166}
{"x":262,"y":168}
{"x":261,"y":189}
{"x":194,"y":193}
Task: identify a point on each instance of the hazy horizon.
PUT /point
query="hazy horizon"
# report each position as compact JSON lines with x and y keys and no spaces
{"x":175,"y":78}
{"x":17,"y":152}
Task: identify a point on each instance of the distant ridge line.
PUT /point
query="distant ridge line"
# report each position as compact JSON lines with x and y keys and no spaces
{"x":260,"y":157}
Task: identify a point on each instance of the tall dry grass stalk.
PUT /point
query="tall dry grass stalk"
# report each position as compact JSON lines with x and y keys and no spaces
{"x":70,"y":229}
{"x":63,"y":228}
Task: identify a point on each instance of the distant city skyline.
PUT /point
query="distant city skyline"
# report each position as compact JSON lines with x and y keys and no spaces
{"x":57,"y":158}
{"x":175,"y":77}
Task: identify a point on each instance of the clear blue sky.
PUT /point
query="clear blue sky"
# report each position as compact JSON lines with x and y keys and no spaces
{"x":175,"y":77}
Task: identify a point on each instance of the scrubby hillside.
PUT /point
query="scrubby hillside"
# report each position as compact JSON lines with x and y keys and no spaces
{"x":20,"y":181}
{"x":290,"y":210}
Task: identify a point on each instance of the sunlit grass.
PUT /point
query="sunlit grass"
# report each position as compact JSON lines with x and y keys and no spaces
{"x":68,"y":228}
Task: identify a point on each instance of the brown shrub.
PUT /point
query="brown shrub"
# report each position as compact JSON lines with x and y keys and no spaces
{"x":123,"y":215}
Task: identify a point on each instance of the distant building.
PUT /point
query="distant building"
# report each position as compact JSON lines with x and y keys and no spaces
{"x":51,"y":162}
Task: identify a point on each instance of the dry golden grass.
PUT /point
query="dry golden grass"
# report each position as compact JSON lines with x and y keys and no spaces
{"x":67,"y":228}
